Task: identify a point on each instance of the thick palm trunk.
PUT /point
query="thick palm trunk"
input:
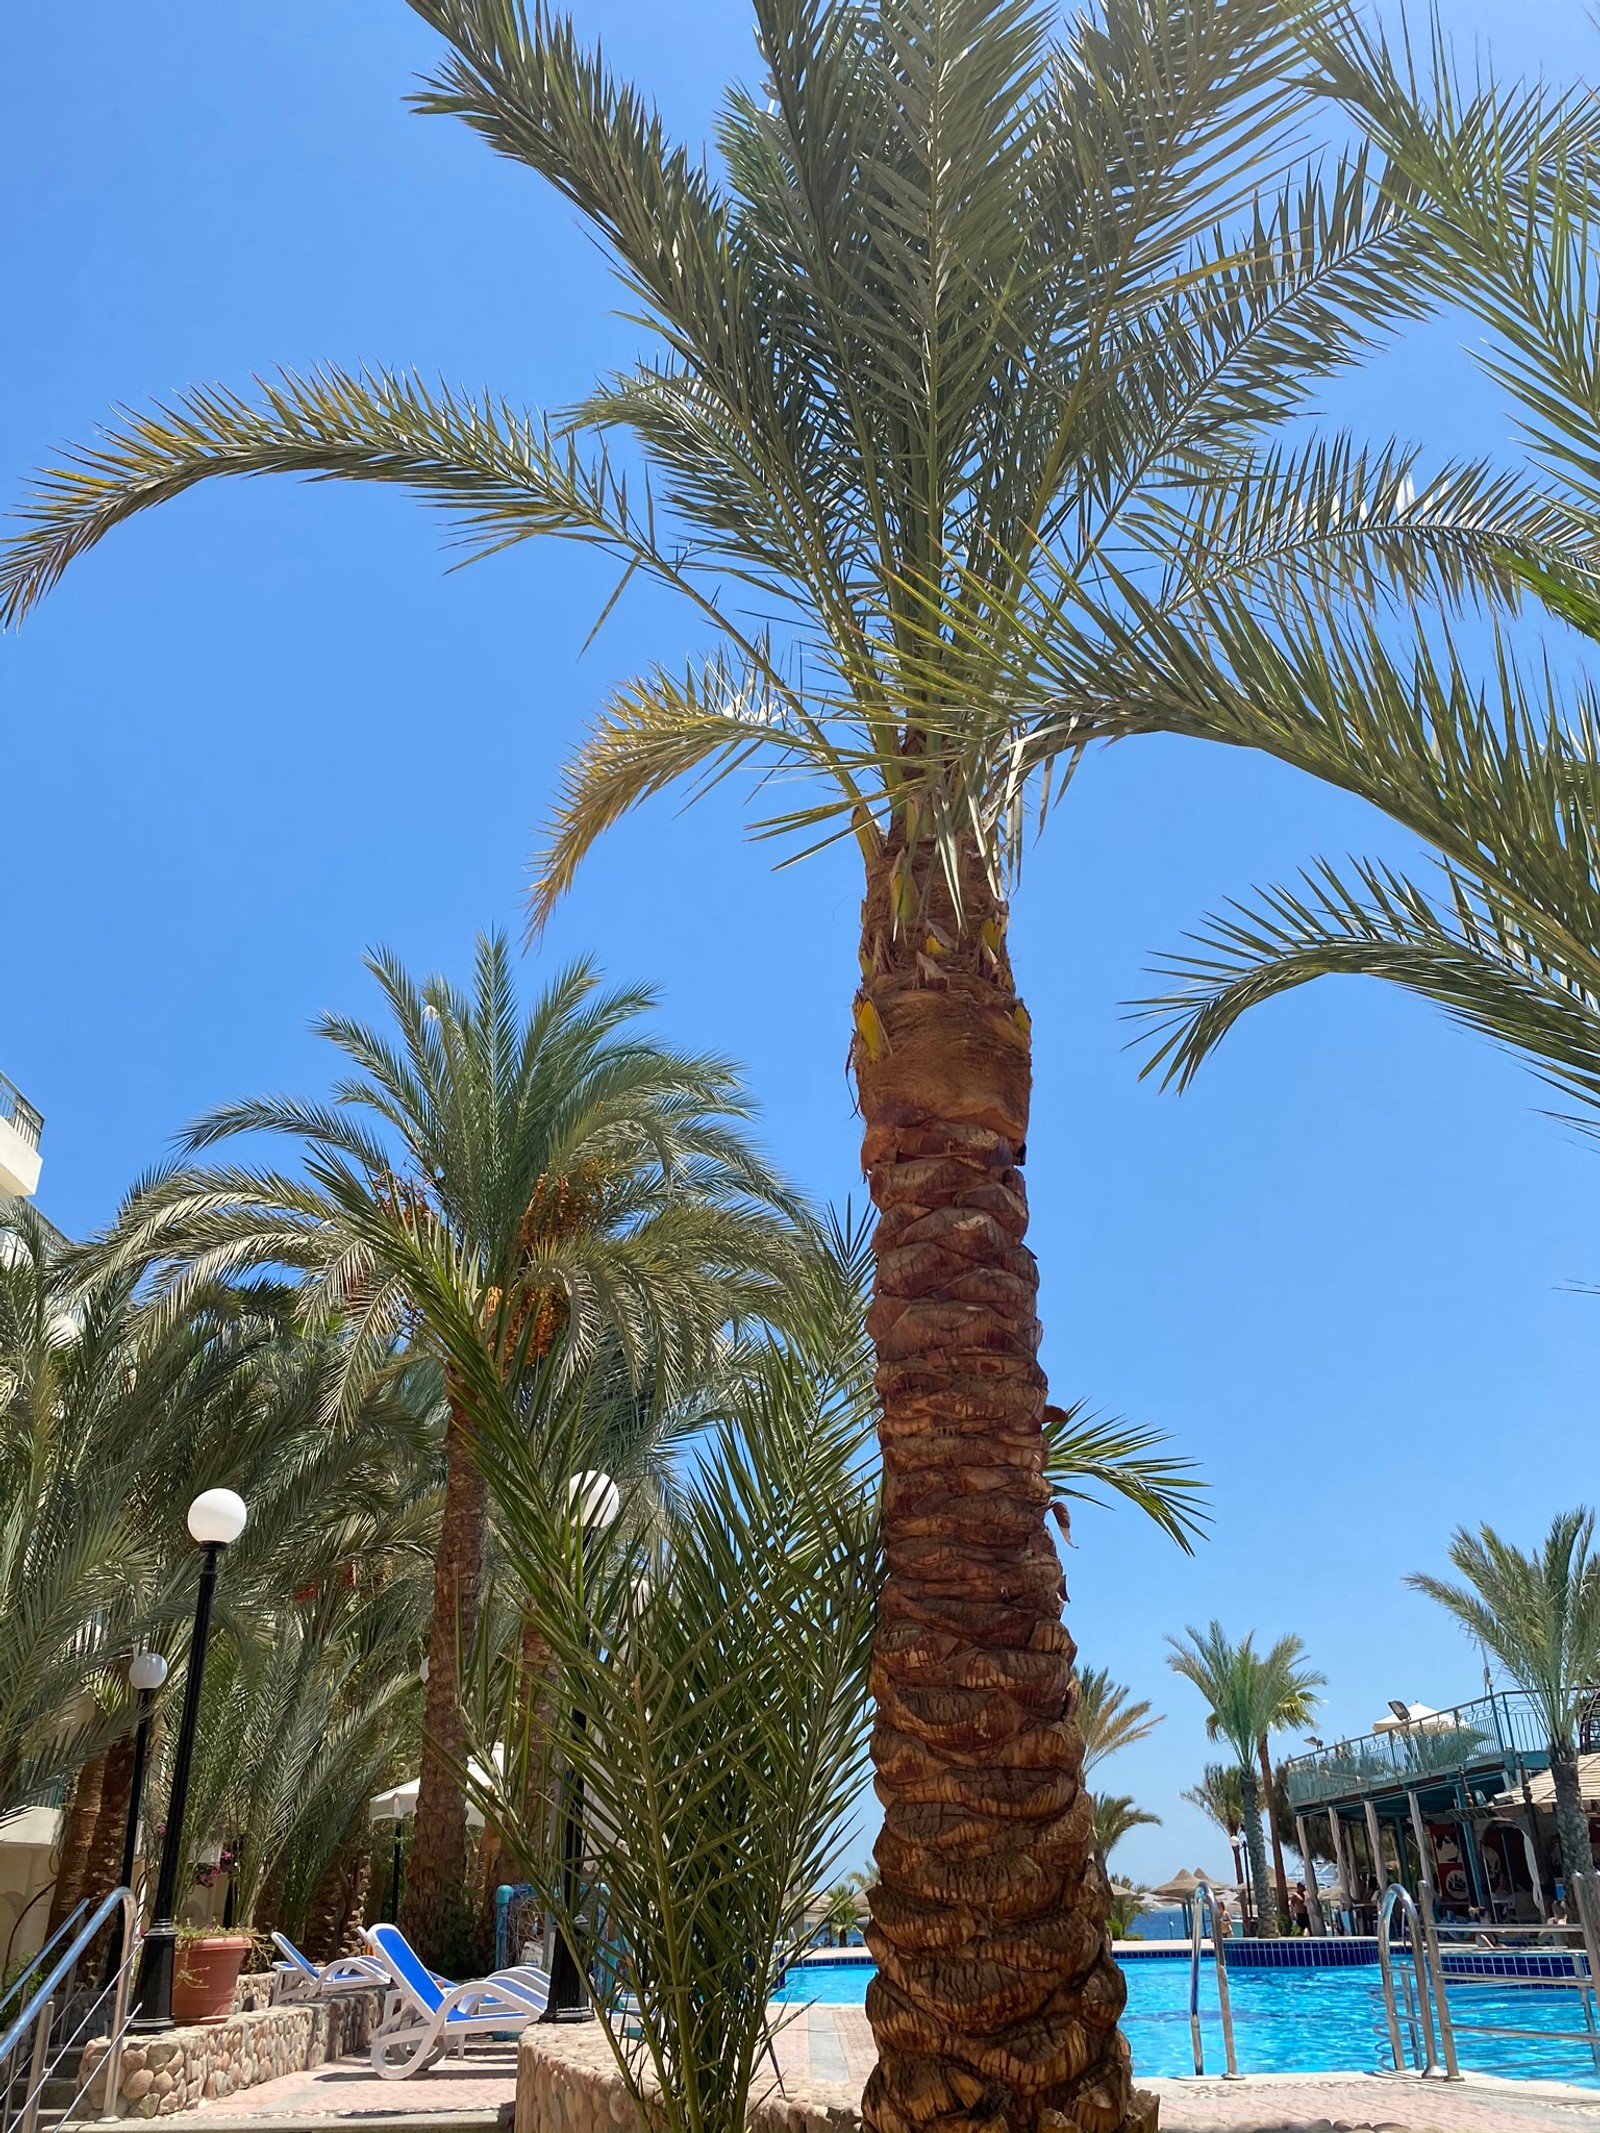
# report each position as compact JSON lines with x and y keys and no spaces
{"x":996,"y":2001}
{"x":77,"y":1834}
{"x":1246,"y":1907}
{"x":1279,"y":1875}
{"x":103,"y":1853}
{"x":333,"y":1917}
{"x":1572,"y":1824}
{"x":435,"y":1912}
{"x":1256,"y":1853}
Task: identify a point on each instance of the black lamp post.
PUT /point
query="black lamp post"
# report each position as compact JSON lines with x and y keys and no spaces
{"x":215,"y":1518}
{"x":146,"y":1674}
{"x":595,"y":1498}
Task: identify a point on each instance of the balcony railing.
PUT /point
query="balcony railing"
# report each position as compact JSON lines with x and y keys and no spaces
{"x":19,"y":1114}
{"x":1505,"y":1726}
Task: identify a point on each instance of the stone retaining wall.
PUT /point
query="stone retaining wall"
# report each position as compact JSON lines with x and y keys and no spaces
{"x":567,"y":2082}
{"x":180,"y":2068}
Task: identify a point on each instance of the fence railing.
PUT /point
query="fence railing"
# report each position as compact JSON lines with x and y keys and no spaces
{"x":1506,"y":1724}
{"x":16,"y":1110}
{"x":43,"y":2041}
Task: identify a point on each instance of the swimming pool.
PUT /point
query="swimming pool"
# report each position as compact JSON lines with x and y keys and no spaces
{"x":1290,"y":2021}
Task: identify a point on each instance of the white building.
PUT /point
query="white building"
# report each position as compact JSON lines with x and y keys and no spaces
{"x":28,"y":1840}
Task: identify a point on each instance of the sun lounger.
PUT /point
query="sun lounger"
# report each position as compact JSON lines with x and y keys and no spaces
{"x":300,"y":1980}
{"x":426,"y":2016}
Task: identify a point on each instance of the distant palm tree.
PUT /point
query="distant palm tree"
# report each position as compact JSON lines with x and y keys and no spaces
{"x":1114,"y":1815}
{"x":586,"y":1185}
{"x":1540,"y":1616}
{"x":1106,"y":1718}
{"x":1247,"y":1693}
{"x":1220,"y":1796}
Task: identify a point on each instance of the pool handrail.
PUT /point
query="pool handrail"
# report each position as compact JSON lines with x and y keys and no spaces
{"x":1396,"y":1897}
{"x":1204,"y":1901}
{"x":1441,"y":1995}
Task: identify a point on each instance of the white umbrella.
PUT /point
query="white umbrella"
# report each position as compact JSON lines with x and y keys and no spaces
{"x":1419,"y":1718}
{"x":399,"y":1803}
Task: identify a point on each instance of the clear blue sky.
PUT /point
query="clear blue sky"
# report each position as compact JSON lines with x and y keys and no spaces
{"x":262,"y":729}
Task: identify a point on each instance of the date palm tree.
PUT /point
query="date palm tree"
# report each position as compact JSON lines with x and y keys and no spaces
{"x":1540,"y":1616}
{"x":597,"y":1193}
{"x":959,"y":434}
{"x":1247,"y":1692}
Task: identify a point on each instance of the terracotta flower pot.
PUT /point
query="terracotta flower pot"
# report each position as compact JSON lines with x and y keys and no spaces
{"x":207,"y":1971}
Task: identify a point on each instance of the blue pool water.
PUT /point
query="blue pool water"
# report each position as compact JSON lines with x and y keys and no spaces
{"x":1293,"y":2021}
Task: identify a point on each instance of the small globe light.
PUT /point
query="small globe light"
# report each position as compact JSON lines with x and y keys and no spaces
{"x":596,"y":1499}
{"x":148,"y":1671}
{"x":217,"y":1517}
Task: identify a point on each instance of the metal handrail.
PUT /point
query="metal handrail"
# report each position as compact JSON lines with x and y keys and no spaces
{"x":1204,"y":1901}
{"x":1441,"y":1997}
{"x":38,"y":2017}
{"x":31,"y":1969}
{"x":1426,"y":1989}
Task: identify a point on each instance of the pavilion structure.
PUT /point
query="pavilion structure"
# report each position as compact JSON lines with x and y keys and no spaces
{"x":1461,"y":1799}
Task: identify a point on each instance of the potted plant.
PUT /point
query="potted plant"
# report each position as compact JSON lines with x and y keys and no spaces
{"x":206,"y":1971}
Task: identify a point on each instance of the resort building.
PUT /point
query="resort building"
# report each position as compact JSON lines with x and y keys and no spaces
{"x":1461,"y":1798}
{"x":27,"y":1839}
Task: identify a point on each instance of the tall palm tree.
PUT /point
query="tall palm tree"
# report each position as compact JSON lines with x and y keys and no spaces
{"x":589,"y":1185}
{"x":1540,"y":1616}
{"x":1220,"y":1797}
{"x":968,"y":365}
{"x":1246,"y":1691}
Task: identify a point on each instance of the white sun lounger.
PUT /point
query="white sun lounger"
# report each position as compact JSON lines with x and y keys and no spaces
{"x":427,"y":2016}
{"x":300,"y":1980}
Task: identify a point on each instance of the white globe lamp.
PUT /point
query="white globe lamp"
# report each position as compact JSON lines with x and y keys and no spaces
{"x":217,"y":1518}
{"x":596,"y":1499}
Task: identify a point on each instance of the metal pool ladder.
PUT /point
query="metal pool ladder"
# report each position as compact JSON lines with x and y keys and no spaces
{"x":1205,"y":1901}
{"x":1421,"y":1988}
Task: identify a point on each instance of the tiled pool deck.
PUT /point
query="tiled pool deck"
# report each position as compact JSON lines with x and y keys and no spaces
{"x":827,"y":2051}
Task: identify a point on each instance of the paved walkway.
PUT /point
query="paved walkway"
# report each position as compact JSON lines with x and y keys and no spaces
{"x":459,"y":2092}
{"x":828,"y":2051}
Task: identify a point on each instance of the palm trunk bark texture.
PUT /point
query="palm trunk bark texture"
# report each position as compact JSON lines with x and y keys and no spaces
{"x":435,"y":1910}
{"x":1572,"y":1824}
{"x":77,"y":1834}
{"x":1280,"y":1874}
{"x":996,"y":2002}
{"x":1256,"y":1854}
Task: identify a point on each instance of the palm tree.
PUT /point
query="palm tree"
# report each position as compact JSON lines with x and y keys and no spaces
{"x":1106,"y":1718}
{"x":969,"y":366}
{"x":718,"y":1660}
{"x":1246,"y":1691}
{"x":1114,"y":1815}
{"x":1220,"y":1797}
{"x":589,"y":1188}
{"x":1540,"y":1616}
